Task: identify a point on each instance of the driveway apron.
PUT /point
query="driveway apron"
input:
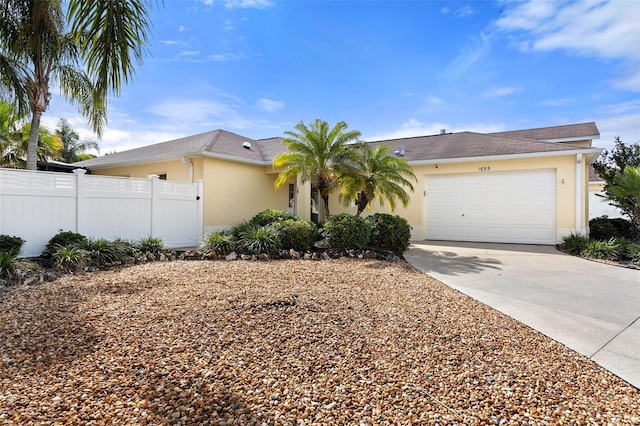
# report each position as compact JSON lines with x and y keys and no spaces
{"x":590,"y":307}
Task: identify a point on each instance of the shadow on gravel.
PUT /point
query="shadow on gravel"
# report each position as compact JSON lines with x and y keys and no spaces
{"x":449,"y":263}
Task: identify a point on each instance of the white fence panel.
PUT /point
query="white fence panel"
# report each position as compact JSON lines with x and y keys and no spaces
{"x":36,"y":205}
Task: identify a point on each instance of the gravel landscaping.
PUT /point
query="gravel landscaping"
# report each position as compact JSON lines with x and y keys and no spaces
{"x":357,"y":342}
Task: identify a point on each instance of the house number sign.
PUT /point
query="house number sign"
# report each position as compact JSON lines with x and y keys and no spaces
{"x":484,"y":169}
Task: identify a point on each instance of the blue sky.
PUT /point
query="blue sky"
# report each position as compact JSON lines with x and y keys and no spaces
{"x":387,"y":68}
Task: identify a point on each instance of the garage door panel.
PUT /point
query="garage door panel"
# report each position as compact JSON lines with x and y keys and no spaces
{"x":515,"y":207}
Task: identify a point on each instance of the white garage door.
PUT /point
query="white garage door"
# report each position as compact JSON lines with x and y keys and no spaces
{"x":504,"y":207}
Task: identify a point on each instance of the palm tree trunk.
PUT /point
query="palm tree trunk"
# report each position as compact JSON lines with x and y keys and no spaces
{"x":32,"y":144}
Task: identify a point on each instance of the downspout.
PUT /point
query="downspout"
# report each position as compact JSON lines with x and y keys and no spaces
{"x":188,"y":162}
{"x":579,"y":228}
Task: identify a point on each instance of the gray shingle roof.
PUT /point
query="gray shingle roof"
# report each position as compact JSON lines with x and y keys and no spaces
{"x":228,"y":145}
{"x":469,"y":144}
{"x":554,"y":133}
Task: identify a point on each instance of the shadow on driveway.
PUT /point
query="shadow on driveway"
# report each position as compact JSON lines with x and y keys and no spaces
{"x":447,"y":262}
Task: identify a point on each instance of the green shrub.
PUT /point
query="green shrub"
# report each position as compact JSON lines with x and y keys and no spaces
{"x":603,"y":228}
{"x":347,"y":232}
{"x":101,"y":251}
{"x":150,"y":245}
{"x":218,"y":242}
{"x":240,"y":228}
{"x":70,"y":258}
{"x":602,"y":249}
{"x":270,"y":216}
{"x":574,"y":243}
{"x":64,"y":239}
{"x":257,"y":240}
{"x":8,"y":264}
{"x":632,"y":252}
{"x":11,"y":245}
{"x":125,"y":248}
{"x":389,"y":232}
{"x":297,"y":234}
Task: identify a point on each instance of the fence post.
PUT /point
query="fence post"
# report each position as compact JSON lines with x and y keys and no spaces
{"x":82,"y":210}
{"x":155,"y":206}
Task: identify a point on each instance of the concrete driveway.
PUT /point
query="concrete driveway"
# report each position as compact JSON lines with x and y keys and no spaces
{"x":590,"y":307}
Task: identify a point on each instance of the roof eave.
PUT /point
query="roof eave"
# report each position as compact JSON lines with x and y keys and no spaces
{"x":235,"y":159}
{"x":572,"y":139}
{"x":590,"y":153}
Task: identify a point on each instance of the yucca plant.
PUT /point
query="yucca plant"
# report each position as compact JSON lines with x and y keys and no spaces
{"x":218,"y":242}
{"x":70,"y":258}
{"x":125,"y":248}
{"x":632,"y":252}
{"x":150,"y":245}
{"x":101,"y":251}
{"x":7,"y":264}
{"x":574,"y":243}
{"x":602,"y":249}
{"x":257,"y":240}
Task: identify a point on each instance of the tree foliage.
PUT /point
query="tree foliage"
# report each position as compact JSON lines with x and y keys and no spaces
{"x":95,"y":57}
{"x":376,"y":174}
{"x":317,"y":154}
{"x":73,"y":149}
{"x":619,"y":170}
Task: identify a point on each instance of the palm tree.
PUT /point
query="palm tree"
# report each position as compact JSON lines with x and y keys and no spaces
{"x":72,"y":148}
{"x":318,"y":155}
{"x":35,"y":50}
{"x":376,"y":174}
{"x":33,"y":35}
{"x":14,"y":136}
{"x":624,"y":193}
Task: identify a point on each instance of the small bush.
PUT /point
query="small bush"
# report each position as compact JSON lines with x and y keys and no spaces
{"x":632,"y":252}
{"x":574,"y":243}
{"x":11,"y":245}
{"x":125,"y":248}
{"x":270,"y":216}
{"x":257,"y":240}
{"x":219,"y":242}
{"x":62,"y":239}
{"x":602,"y":249}
{"x":101,"y":251}
{"x":297,"y":234}
{"x":603,"y":228}
{"x":70,"y":258}
{"x":240,"y":228}
{"x":8,"y":264}
{"x":389,"y":232}
{"x":150,"y":245}
{"x":347,"y":232}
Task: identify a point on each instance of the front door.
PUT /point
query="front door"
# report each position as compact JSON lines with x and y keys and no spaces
{"x":291,"y":201}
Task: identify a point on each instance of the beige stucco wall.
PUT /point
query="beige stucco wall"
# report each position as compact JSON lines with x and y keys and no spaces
{"x":175,"y":170}
{"x":565,"y":168}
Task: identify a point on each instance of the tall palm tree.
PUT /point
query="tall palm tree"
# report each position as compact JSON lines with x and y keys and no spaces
{"x":318,"y":154}
{"x":624,"y":193}
{"x":33,"y":35}
{"x":73,"y":149}
{"x":376,"y":175}
{"x":36,"y":50}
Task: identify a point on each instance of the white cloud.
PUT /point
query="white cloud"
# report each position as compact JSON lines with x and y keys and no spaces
{"x":621,"y":120}
{"x":414,"y":127}
{"x":468,"y":56}
{"x":245,"y":4}
{"x":606,"y":29}
{"x":464,"y":11}
{"x":182,"y":29}
{"x":444,"y":10}
{"x":189,"y":53}
{"x":498,"y":92}
{"x":268,"y":105}
{"x":554,"y":102}
{"x":433,"y":100}
{"x":228,"y":25}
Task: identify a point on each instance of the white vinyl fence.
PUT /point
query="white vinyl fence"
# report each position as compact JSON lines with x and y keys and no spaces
{"x":37,"y":205}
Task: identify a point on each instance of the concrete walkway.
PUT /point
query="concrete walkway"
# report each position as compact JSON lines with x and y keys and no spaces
{"x":590,"y":307}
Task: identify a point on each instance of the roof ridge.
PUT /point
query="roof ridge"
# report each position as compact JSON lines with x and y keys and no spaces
{"x":544,"y":127}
